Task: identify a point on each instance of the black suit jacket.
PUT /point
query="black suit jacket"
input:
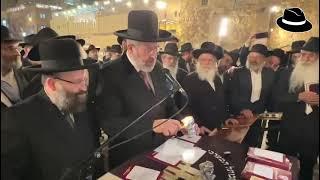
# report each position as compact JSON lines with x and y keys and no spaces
{"x":38,"y":143}
{"x":207,"y":105}
{"x":242,"y":87}
{"x":124,"y":98}
{"x":181,"y":74}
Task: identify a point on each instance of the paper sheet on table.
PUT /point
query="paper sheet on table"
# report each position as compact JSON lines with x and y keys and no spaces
{"x":269,"y":154}
{"x":191,"y":156}
{"x":138,"y":173}
{"x":173,"y":144}
{"x":264,"y":171}
{"x":109,"y":176}
{"x":193,"y":139}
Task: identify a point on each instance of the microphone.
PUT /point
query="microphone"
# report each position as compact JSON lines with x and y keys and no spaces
{"x":175,"y":85}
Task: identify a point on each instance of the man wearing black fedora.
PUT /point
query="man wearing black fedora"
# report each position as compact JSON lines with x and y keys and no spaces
{"x":205,"y":90}
{"x":169,"y":58}
{"x":13,"y":81}
{"x":294,"y":53}
{"x":251,"y":90}
{"x":92,"y":52}
{"x":115,"y":52}
{"x":185,"y":60}
{"x":51,"y":130}
{"x":133,"y":84}
{"x":297,"y":93}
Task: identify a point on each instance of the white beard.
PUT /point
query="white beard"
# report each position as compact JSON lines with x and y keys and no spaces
{"x":254,"y":67}
{"x":302,"y":74}
{"x":173,"y":70}
{"x":206,"y":75}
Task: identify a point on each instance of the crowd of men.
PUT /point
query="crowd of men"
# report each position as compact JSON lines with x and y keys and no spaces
{"x":56,"y":96}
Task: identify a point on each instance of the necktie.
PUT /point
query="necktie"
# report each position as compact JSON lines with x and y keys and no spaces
{"x":68,"y":118}
{"x":144,"y":77}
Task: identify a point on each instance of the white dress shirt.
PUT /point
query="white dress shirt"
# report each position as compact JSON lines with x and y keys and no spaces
{"x":256,"y":82}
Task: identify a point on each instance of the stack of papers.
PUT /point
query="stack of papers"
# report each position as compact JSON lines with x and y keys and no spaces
{"x":175,"y":150}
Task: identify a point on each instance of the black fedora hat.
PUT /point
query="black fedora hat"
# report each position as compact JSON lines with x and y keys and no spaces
{"x":311,"y":45}
{"x":27,"y":40}
{"x":296,"y":46}
{"x":43,"y":35}
{"x":143,"y":26}
{"x":261,"y":49}
{"x":6,"y":35}
{"x":119,"y":40}
{"x":92,"y":47}
{"x":293,"y":20}
{"x":58,"y":55}
{"x":209,"y":47}
{"x":186,"y":47}
{"x":81,"y":41}
{"x":171,"y":49}
{"x":116,"y":48}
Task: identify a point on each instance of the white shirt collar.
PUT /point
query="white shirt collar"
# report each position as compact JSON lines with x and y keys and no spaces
{"x":133,"y":62}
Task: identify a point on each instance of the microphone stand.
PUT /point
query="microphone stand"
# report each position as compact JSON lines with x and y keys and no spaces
{"x":98,"y":152}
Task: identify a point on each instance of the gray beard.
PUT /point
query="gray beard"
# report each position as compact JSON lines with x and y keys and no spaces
{"x":7,"y":67}
{"x":173,"y":70}
{"x":205,"y":75}
{"x":303,"y":73}
{"x":254,"y":67}
{"x":71,"y":103}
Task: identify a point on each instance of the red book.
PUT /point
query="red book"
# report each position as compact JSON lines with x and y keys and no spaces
{"x":270,"y":158}
{"x":265,"y":172}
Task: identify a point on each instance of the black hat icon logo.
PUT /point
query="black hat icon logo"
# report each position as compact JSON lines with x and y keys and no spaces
{"x":293,"y":20}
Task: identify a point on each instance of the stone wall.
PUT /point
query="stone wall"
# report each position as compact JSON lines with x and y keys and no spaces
{"x":199,"y":23}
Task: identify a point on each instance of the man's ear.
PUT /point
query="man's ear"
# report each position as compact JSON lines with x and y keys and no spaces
{"x":51,"y":84}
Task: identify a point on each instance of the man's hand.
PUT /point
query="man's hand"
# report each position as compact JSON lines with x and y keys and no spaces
{"x":169,"y":128}
{"x":198,"y":130}
{"x":231,"y":122}
{"x":213,"y":132}
{"x":309,"y":97}
{"x":247,"y":113}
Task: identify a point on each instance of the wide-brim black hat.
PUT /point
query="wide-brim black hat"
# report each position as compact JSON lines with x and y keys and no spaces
{"x":311,"y":45}
{"x":92,"y":47}
{"x":34,"y":54}
{"x":186,"y":47}
{"x":296,"y":46}
{"x":209,"y":47}
{"x":82,"y":42}
{"x":116,"y":48}
{"x":6,"y":35}
{"x":293,"y":20}
{"x":59,"y":55}
{"x":27,"y":40}
{"x":171,"y":49}
{"x":143,"y":26}
{"x":261,"y":49}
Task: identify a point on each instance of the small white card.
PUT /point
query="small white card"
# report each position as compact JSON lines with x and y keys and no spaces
{"x":138,"y":173}
{"x":174,"y":145}
{"x":269,"y":154}
{"x":109,"y":176}
{"x":193,"y":139}
{"x":264,"y":171}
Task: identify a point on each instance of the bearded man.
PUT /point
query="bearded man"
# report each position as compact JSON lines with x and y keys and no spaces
{"x":251,"y":91}
{"x":205,"y":90}
{"x":51,"y":130}
{"x":299,"y":133}
{"x":13,"y":82}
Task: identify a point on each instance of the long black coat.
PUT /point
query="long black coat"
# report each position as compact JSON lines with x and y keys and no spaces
{"x":242,"y":87}
{"x":38,"y":143}
{"x":124,"y":98}
{"x":183,"y":65}
{"x":207,"y":105}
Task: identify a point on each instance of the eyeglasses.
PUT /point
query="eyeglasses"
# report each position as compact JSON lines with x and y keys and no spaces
{"x":76,"y":83}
